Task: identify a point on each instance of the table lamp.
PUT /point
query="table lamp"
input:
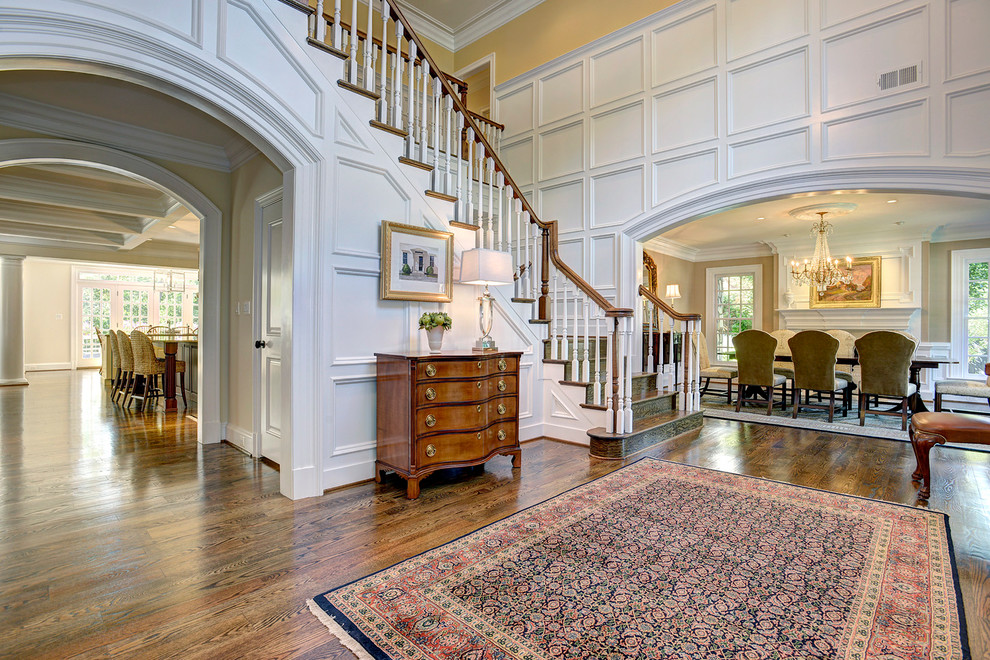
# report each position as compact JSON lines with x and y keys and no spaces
{"x":483,"y":266}
{"x":673,"y":292}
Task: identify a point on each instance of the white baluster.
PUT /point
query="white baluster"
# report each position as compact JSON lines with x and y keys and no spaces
{"x":609,"y":411}
{"x":397,"y":70}
{"x":448,"y":114}
{"x":369,"y":45}
{"x":598,"y":360}
{"x":534,"y":285}
{"x":523,"y":235}
{"x":437,"y":173}
{"x":629,"y":373}
{"x":679,"y":381}
{"x":575,"y":365}
{"x":321,"y":23}
{"x":553,"y":321}
{"x":337,"y":37}
{"x":424,"y":110}
{"x":501,"y":226}
{"x":383,"y":99}
{"x":585,"y":365}
{"x":668,"y":366}
{"x":620,"y":352}
{"x":411,"y":114}
{"x":490,"y":233}
{"x":481,"y":183}
{"x":696,"y":365}
{"x":352,"y":65}
{"x":469,"y":209}
{"x":459,"y":206}
{"x":648,"y":307}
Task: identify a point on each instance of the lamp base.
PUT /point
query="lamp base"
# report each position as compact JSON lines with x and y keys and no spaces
{"x":485,"y":345}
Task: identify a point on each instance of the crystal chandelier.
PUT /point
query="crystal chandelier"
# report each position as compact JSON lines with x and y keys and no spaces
{"x":822,"y":271}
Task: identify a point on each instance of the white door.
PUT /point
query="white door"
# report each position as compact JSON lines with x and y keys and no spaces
{"x":268,"y":325}
{"x":96,"y":305}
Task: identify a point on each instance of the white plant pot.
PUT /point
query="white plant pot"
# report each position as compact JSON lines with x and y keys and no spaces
{"x":435,"y":337}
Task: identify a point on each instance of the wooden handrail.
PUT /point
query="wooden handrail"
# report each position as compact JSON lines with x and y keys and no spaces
{"x":667,"y":309}
{"x":479,"y":136}
{"x":490,"y":122}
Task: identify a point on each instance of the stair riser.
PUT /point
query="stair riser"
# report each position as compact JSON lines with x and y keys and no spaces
{"x":620,"y":448}
{"x":602,"y":351}
{"x":650,"y":407}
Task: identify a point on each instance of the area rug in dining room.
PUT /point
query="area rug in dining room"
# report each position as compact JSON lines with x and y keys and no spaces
{"x":662,"y":560}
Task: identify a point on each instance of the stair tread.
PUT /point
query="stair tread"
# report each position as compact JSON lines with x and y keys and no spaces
{"x":357,"y":89}
{"x":552,"y":361}
{"x":652,"y":394}
{"x":524,"y":300}
{"x":388,"y":128}
{"x":646,"y":423}
{"x":576,"y":383}
{"x":415,"y":163}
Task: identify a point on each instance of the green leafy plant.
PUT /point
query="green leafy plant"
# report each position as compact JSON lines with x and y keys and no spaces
{"x":430,"y":270}
{"x":406,"y":270}
{"x":431,"y":320}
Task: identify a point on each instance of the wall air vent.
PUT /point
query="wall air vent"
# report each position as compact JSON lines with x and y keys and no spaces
{"x":899,"y":77}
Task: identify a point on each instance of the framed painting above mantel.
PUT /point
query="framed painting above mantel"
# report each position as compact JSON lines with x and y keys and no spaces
{"x":862,"y":291}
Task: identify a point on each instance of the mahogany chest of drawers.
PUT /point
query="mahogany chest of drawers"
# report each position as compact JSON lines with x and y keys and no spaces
{"x":446,"y":410}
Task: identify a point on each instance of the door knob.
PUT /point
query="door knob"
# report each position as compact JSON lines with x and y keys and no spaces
{"x":260,"y":343}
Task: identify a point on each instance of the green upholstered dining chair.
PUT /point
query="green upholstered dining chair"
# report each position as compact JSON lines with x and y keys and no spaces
{"x":709,"y":373}
{"x":847,"y":349}
{"x":885,"y":364}
{"x":813,"y":353}
{"x":785,"y":369}
{"x":754,"y":361}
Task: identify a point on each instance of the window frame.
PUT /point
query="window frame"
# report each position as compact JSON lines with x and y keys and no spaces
{"x":957,"y":313}
{"x":711,"y":274}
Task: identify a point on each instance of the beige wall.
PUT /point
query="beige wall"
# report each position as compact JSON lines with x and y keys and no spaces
{"x":252,"y":180}
{"x":47,"y":296}
{"x":480,"y":92}
{"x":551,"y":29}
{"x":936,"y":297}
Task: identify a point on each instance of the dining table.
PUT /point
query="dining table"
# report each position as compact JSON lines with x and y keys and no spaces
{"x":169,"y":343}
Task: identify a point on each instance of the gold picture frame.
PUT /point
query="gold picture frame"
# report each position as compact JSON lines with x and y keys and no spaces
{"x":863,"y":291}
{"x":417,"y":263}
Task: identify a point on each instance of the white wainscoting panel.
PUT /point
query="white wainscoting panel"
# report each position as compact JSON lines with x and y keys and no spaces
{"x":897,"y":131}
{"x":384,"y":326}
{"x":572,"y":252}
{"x":562,"y":94}
{"x":757,"y":98}
{"x":518,"y":158}
{"x":686,"y":115}
{"x":854,"y":61}
{"x":968,"y":126}
{"x":685,"y":47}
{"x":562,"y":151}
{"x":525,"y":389}
{"x":617,"y":196}
{"x":354,"y":401}
{"x":770,"y":152}
{"x":617,"y":73}
{"x":967,"y":37}
{"x":675,"y":176}
{"x":754,"y":25}
{"x":356,"y":231}
{"x":180,"y":17}
{"x":617,"y":135}
{"x":344,"y":133}
{"x":565,"y":203}
{"x":837,"y":11}
{"x":603,"y":262}
{"x":515,"y":110}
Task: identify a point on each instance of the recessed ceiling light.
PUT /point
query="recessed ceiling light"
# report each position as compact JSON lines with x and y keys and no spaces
{"x":891,"y":201}
{"x":761,"y":218}
{"x":899,"y":223}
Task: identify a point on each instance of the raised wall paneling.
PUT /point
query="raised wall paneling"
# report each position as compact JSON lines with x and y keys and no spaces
{"x":183,"y":18}
{"x":837,"y":11}
{"x":617,"y":73}
{"x":384,"y":324}
{"x":770,"y":152}
{"x":968,"y":128}
{"x":571,"y":251}
{"x":755,"y":25}
{"x":898,"y":131}
{"x":853,"y":62}
{"x":247,"y":44}
{"x":676,"y":176}
{"x":617,"y":135}
{"x":364,"y":196}
{"x":515,"y":110}
{"x":685,"y":47}
{"x":603,"y":263}
{"x":564,"y":203}
{"x":967,"y":37}
{"x":769,"y":92}
{"x":685,"y":116}
{"x":617,"y":197}
{"x":562,"y":94}
{"x":353,"y":420}
{"x":518,"y":158}
{"x":344,"y":134}
{"x":525,"y":390}
{"x":562,"y":151}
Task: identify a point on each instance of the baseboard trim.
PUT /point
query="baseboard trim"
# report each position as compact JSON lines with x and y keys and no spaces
{"x":49,"y":366}
{"x":241,"y":438}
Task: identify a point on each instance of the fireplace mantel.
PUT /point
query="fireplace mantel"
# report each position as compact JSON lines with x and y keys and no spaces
{"x":890,"y":318}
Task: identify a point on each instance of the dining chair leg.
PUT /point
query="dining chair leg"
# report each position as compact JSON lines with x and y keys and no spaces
{"x":938,"y":402}
{"x":904,"y":413}
{"x":862,"y":409}
{"x":728,"y":394}
{"x":182,"y":386}
{"x":831,"y":406}
{"x":739,"y":396}
{"x":770,"y":400}
{"x":796,"y":404}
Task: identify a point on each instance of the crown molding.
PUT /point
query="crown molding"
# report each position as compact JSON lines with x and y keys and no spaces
{"x":752,"y":251}
{"x":671,"y":248}
{"x":967,"y":232}
{"x":429,"y":27}
{"x":59,"y":122}
{"x":490,"y":19}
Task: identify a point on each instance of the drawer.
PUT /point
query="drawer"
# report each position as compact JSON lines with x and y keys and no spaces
{"x":502,"y":384}
{"x":508,"y":365}
{"x":503,"y":408}
{"x":432,"y":392}
{"x":430,"y":370}
{"x":451,"y":418}
{"x":500,"y":435}
{"x":450,"y":448}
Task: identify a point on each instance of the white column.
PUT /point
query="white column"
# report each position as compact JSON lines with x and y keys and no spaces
{"x":12,"y":320}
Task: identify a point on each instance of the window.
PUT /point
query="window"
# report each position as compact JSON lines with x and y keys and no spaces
{"x":733,"y":300}
{"x":971,"y":311}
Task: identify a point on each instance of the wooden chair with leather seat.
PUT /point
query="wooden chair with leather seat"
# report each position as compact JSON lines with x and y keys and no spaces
{"x":147,"y":369}
{"x":126,"y":366}
{"x":885,"y":364}
{"x":754,"y":361}
{"x":813,"y":353}
{"x":710,"y":373}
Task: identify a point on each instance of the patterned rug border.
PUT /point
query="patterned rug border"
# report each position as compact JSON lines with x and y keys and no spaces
{"x":351,"y":637}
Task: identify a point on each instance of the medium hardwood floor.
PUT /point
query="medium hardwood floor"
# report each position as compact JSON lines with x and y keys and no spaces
{"x":121,"y":537}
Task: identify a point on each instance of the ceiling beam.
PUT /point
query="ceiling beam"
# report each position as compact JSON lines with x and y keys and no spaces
{"x":58,"y":216}
{"x":61,"y":234}
{"x":29,"y":189}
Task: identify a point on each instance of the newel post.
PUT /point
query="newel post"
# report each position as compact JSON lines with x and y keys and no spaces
{"x":544,"y":304}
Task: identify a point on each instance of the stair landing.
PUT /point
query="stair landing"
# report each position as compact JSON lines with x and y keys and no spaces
{"x":646,"y":432}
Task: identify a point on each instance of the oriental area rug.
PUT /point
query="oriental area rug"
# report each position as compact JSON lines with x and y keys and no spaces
{"x":661,"y":560}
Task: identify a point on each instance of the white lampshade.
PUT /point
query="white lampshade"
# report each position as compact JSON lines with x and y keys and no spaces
{"x":673,"y":291}
{"x":483,"y":266}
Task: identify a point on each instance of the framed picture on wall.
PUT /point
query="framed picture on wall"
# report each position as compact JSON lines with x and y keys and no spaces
{"x":862,"y":291}
{"x":417,"y":263}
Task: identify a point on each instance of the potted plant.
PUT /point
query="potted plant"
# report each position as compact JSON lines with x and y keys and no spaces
{"x":435,"y":323}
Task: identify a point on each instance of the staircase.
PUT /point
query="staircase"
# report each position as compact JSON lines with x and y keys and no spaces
{"x":590,"y":344}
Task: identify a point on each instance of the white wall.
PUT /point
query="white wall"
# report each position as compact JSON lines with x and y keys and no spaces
{"x":47,"y":315}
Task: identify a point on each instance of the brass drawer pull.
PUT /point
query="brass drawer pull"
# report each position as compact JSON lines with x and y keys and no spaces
{"x":501,"y":409}
{"x":431,"y":451}
{"x":502,"y":366}
{"x":479,"y":364}
{"x":430,"y":394}
{"x":479,"y":436}
{"x":501,"y":386}
{"x":479,"y":408}
{"x":479,"y":384}
{"x":431,"y":370}
{"x":431,"y":421}
{"x":501,"y":434}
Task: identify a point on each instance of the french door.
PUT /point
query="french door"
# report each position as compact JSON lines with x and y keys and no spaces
{"x":96,"y":304}
{"x":971,"y":312}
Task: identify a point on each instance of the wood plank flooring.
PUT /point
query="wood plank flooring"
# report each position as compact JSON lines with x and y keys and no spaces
{"x":121,"y":537}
